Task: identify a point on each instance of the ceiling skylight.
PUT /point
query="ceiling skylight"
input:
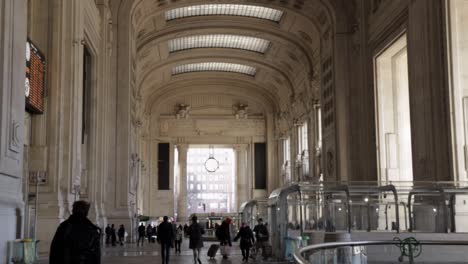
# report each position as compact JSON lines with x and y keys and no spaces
{"x":227,"y":10}
{"x":214,"y":66}
{"x":219,"y":41}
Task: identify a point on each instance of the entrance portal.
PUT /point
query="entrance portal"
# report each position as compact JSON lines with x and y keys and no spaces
{"x":210,"y":188}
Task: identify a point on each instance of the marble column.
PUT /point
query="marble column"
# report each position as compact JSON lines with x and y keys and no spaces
{"x":182,"y":214}
{"x":242,"y":175}
{"x":12,"y":72}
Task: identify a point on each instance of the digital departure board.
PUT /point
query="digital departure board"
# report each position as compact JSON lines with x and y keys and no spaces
{"x":35,"y":79}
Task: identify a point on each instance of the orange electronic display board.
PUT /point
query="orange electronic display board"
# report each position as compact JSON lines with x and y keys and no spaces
{"x":35,"y":79}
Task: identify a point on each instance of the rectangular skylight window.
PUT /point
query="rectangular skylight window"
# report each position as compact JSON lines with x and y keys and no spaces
{"x":219,"y":41}
{"x":226,"y":10}
{"x":214,"y":66}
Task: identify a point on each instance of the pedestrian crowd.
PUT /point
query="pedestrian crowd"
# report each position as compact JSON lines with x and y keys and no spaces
{"x":78,"y":240}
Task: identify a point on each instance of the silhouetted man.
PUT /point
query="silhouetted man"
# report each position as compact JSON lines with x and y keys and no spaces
{"x":165,"y":238}
{"x":77,"y":240}
{"x":108,"y":234}
{"x":141,"y":234}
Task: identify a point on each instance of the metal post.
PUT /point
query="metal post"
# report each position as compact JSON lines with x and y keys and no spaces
{"x":36,"y":209}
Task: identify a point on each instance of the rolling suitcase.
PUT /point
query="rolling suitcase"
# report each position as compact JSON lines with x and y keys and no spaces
{"x":212,"y":250}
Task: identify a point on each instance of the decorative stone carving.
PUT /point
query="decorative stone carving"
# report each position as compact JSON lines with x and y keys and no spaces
{"x":134,"y":160}
{"x":240,"y":111}
{"x":134,"y":178}
{"x":15,"y":137}
{"x":183,"y":111}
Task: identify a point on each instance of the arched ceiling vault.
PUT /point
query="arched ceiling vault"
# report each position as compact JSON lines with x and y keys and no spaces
{"x":206,"y":86}
{"x":285,"y":68}
{"x":165,"y":66}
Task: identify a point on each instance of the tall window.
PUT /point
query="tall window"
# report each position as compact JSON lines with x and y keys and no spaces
{"x":393,"y":113}
{"x":303,"y":150}
{"x":209,"y":192}
{"x":287,"y":159}
{"x":87,"y":83}
{"x":458,"y":46}
{"x":317,"y":160}
{"x":458,"y":39}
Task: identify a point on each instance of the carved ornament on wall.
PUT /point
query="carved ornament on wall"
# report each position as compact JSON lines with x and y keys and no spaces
{"x":182,"y":111}
{"x":240,"y":111}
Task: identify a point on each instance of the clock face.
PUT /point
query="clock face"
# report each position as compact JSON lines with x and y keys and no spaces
{"x":28,"y":51}
{"x":211,"y":164}
{"x":27,"y":87}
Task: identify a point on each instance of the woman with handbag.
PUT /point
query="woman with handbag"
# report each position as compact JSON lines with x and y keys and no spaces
{"x":223,"y":234}
{"x":246,"y":240}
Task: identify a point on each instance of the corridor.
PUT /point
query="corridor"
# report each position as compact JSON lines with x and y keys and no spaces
{"x":150,"y":253}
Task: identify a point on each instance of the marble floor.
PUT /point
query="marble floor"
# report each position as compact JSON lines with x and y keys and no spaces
{"x":150,"y":253}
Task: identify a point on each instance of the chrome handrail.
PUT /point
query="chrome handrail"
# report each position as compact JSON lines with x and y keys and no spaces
{"x":300,"y":260}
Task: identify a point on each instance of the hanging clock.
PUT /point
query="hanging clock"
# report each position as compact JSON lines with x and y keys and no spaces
{"x":211,"y":164}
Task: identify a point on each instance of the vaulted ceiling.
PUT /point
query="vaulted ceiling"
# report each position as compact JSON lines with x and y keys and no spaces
{"x":267,"y":50}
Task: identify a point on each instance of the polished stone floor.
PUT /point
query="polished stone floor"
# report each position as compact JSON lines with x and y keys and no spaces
{"x":149,"y":253}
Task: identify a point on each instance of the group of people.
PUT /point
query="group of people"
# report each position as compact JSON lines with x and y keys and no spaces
{"x":112,"y":234}
{"x":77,"y":239}
{"x":246,"y":236}
{"x":146,"y":232}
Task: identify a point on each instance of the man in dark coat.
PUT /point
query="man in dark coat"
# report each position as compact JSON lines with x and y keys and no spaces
{"x":108,"y":234}
{"x":141,"y":234}
{"x":262,"y":235}
{"x":77,"y":240}
{"x":121,"y":234}
{"x":149,"y":233}
{"x":166,"y":239}
{"x":195,"y":232}
{"x":113,"y":235}
{"x":246,"y":240}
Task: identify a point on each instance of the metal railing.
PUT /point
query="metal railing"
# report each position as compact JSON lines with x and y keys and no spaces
{"x":408,"y":247}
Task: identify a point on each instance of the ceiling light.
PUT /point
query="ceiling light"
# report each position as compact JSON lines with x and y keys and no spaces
{"x":219,"y":41}
{"x":227,"y":10}
{"x":214,"y":66}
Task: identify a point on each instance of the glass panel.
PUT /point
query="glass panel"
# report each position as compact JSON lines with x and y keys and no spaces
{"x":226,"y":10}
{"x":219,"y":41}
{"x":214,"y":66}
{"x":390,"y":254}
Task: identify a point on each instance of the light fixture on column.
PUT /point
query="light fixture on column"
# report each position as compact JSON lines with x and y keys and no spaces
{"x":211,"y":164}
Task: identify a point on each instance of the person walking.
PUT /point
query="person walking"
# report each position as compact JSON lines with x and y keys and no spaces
{"x":121,"y":234}
{"x":141,"y":234}
{"x":178,"y":238}
{"x":246,"y":240}
{"x":149,"y":233}
{"x":166,"y":239}
{"x":186,"y":229}
{"x":195,"y":232}
{"x":108,"y":234}
{"x":262,"y":235}
{"x":113,"y":236}
{"x":77,"y":239}
{"x":223,"y":234}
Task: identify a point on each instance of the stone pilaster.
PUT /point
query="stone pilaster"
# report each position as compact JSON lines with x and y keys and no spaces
{"x":242,"y":175}
{"x":182,"y":213}
{"x":429,"y":93}
{"x":12,"y":72}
